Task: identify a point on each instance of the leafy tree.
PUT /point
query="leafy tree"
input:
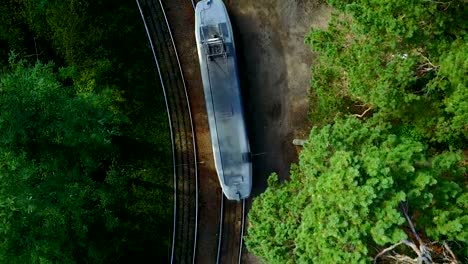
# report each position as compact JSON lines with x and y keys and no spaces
{"x":386,"y":163}
{"x":101,"y":60}
{"x":66,"y":195}
{"x":404,"y":60}
{"x":53,"y":143}
{"x":344,"y":197}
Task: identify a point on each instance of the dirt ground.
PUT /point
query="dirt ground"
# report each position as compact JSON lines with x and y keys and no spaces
{"x":275,"y":66}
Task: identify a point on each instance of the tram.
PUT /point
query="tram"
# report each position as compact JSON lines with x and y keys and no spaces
{"x":218,"y":65}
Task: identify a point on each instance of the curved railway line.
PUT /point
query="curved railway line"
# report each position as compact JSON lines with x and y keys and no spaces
{"x":231,"y":226}
{"x":184,"y":239}
{"x":183,"y":138}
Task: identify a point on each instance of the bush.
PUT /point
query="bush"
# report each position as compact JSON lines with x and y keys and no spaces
{"x":388,"y":100}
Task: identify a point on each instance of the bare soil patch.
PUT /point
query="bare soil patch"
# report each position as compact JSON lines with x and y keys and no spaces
{"x":275,"y":65}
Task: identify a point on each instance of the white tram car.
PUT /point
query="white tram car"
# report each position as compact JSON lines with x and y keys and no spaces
{"x":218,"y":65}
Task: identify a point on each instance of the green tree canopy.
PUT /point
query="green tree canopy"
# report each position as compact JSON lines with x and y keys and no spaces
{"x":54,"y":145}
{"x":344,"y":197}
{"x":96,"y":139}
{"x":67,"y":195}
{"x":389,"y":101}
{"x":405,"y":60}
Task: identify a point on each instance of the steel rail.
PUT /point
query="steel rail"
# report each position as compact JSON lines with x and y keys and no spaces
{"x":181,"y":126}
{"x":192,"y":130}
{"x":170,"y":124}
{"x":222,"y":225}
{"x":241,"y":243}
{"x":185,"y":205}
{"x":220,"y":232}
{"x":178,"y":125}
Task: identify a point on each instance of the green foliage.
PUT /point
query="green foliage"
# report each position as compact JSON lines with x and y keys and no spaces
{"x":94,"y":136}
{"x":401,"y":67}
{"x":67,"y":195}
{"x":452,"y":80}
{"x":405,"y":60}
{"x":344,"y":197}
{"x":273,"y":222}
{"x":53,"y":143}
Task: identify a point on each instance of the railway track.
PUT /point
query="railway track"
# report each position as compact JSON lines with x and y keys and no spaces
{"x":185,"y":225}
{"x":231,"y":232}
{"x":231,"y":225}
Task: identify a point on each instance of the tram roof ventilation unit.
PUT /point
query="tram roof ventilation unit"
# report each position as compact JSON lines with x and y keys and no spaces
{"x":215,"y":48}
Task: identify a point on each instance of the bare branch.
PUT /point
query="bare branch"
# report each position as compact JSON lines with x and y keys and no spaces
{"x":406,"y":242}
{"x":424,"y":250}
{"x":386,"y":250}
{"x":403,"y":259}
{"x":424,"y":255}
{"x":454,"y":259}
{"x":404,"y":208}
{"x":361,"y":115}
{"x":413,"y":247}
{"x":428,"y":62}
{"x":445,"y":4}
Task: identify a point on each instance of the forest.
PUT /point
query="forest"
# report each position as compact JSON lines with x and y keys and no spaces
{"x":383,"y":176}
{"x":84,"y":138}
